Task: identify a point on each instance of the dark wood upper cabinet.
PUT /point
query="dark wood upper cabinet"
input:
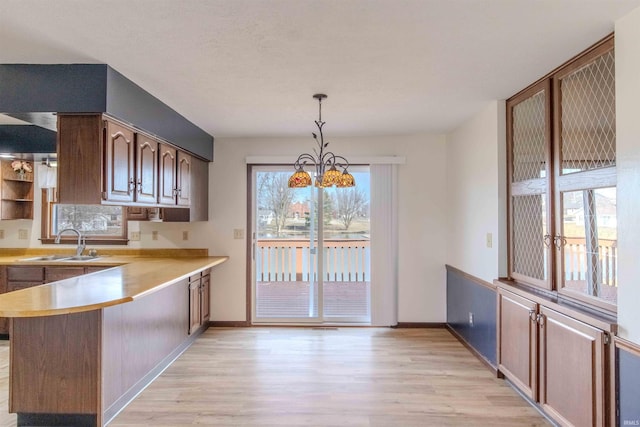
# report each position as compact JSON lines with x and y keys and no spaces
{"x":120,"y":184}
{"x":103,"y":161}
{"x":184,"y":179}
{"x":81,"y":152}
{"x":175,"y":177}
{"x":146,"y":169}
{"x":198,"y":194}
{"x":168,"y":179}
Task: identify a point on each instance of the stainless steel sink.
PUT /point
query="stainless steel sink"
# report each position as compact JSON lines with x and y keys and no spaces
{"x":80,"y":258}
{"x":49,"y":258}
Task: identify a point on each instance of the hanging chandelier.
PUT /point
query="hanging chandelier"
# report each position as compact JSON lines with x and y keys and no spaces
{"x":326,"y":163}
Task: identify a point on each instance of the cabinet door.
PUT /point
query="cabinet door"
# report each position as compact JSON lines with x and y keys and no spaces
{"x":146,"y":170}
{"x":120,"y":182}
{"x":81,"y":159}
{"x":184,"y":179}
{"x":204,"y":300}
{"x":168,"y":184}
{"x":517,"y":341}
{"x":571,"y":370}
{"x":529,"y":160}
{"x":194,"y":305}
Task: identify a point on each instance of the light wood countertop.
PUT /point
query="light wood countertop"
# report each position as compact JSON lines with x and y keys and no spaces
{"x":132,"y":277}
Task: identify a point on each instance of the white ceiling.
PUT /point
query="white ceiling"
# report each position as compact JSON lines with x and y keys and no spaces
{"x":250,"y":67}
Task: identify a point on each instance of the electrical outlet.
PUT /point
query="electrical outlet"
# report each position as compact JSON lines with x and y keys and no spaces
{"x":470,"y":319}
{"x":185,"y":235}
{"x":489,"y":240}
{"x":1,"y":234}
{"x":135,"y":235}
{"x":154,"y":235}
{"x":238,"y":233}
{"x":23,"y":234}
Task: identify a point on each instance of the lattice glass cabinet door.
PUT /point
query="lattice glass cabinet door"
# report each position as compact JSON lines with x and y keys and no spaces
{"x":528,"y":124}
{"x":585,"y":178}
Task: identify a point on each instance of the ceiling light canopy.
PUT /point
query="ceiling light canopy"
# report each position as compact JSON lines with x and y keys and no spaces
{"x":327,"y":164}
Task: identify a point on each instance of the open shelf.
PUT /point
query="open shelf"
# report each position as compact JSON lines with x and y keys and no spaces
{"x":16,"y":193}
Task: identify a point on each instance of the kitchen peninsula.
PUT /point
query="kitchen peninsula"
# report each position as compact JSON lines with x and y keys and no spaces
{"x":83,"y":347}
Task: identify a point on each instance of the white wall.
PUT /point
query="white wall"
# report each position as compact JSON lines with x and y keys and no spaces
{"x":628,"y":168}
{"x":476,"y":191}
{"x":422,"y":213}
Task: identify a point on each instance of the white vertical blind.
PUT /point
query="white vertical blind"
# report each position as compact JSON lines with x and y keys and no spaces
{"x":384,"y":245}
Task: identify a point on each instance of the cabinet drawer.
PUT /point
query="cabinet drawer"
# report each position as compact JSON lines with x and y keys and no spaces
{"x":94,"y":269}
{"x":14,"y":286}
{"x":25,"y":274}
{"x":53,"y":274}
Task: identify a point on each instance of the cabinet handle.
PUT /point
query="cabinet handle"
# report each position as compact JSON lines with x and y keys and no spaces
{"x":547,"y":240}
{"x":532,"y":315}
{"x":139,"y":185}
{"x":175,"y":191}
{"x":540,"y":318}
{"x":559,"y":241}
{"x":132,"y":185}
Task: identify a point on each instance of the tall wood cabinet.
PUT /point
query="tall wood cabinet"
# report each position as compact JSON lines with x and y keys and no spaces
{"x":561,"y":181}
{"x":559,"y":361}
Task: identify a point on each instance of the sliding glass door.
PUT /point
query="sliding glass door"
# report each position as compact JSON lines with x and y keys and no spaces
{"x":311,"y":250}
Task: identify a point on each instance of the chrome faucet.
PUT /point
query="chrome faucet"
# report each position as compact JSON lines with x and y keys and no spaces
{"x":81,"y":240}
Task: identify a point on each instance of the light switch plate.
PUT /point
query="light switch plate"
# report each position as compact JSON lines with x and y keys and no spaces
{"x":489,"y":240}
{"x":238,"y":233}
{"x":135,"y":235}
{"x":185,"y":235}
{"x":23,"y":234}
{"x":154,"y":235}
{"x":1,"y":234}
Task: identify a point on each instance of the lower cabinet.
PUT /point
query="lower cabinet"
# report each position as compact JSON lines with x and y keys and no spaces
{"x":13,"y":278}
{"x":556,"y":360}
{"x":199,"y":288}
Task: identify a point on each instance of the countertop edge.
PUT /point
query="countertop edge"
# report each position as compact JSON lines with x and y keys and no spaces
{"x":40,"y":301}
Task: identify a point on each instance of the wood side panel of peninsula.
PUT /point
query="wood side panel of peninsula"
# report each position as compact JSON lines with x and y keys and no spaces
{"x":49,"y":374}
{"x":137,"y":337}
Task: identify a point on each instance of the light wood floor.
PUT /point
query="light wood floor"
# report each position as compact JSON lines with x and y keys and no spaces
{"x":322,"y":377}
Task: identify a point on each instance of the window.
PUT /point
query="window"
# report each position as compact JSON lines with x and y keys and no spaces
{"x":99,"y":224}
{"x":562,"y":158}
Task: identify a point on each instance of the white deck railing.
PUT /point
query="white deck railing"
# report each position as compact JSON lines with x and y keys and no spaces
{"x":291,"y":261}
{"x":576,"y":264}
